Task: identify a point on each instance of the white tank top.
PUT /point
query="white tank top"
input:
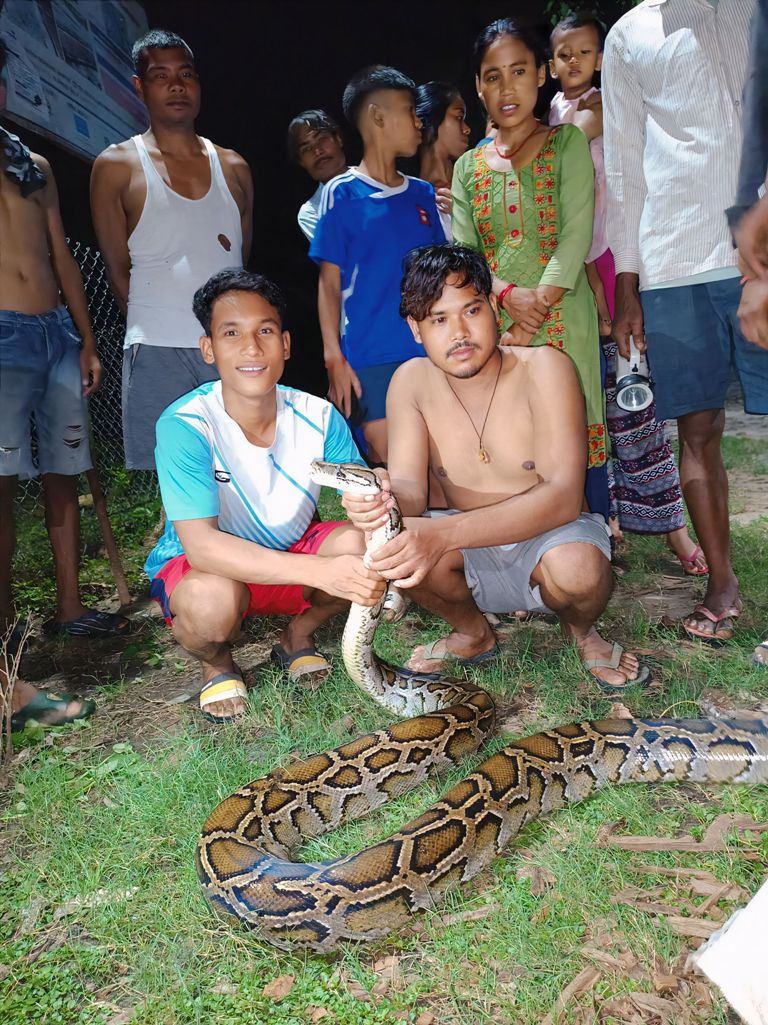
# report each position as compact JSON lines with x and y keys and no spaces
{"x":176,"y":246}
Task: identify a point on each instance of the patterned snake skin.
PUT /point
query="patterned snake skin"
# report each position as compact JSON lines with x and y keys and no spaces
{"x":246,"y":848}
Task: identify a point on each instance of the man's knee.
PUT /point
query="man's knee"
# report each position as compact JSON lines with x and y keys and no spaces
{"x":209,"y":606}
{"x":344,"y":540}
{"x":701,"y":431}
{"x":442,"y":578}
{"x":577,"y":570}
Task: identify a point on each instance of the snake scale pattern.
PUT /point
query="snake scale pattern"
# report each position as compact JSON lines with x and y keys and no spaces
{"x":246,"y":850}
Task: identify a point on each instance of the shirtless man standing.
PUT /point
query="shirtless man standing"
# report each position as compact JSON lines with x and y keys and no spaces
{"x":48,"y":366}
{"x":170,"y":209}
{"x":504,"y":431}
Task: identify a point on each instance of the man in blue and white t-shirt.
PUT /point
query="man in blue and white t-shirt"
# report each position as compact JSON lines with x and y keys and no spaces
{"x":242,"y":535}
{"x":371,"y":216}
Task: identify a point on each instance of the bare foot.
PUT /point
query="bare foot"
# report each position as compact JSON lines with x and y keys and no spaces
{"x":689,"y":554}
{"x":433,"y":657}
{"x":626,"y":672}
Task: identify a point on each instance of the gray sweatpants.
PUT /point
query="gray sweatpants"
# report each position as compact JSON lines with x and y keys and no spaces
{"x":154,"y":376}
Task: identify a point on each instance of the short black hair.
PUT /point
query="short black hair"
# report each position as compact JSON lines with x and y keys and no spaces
{"x":235,"y":281}
{"x":580,"y":19}
{"x":426,"y":270}
{"x":3,"y":56}
{"x":432,"y":102}
{"x":315,"y":121}
{"x":530,"y":37}
{"x":156,"y":39}
{"x":370,"y":80}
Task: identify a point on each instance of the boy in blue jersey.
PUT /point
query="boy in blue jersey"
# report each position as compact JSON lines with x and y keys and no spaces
{"x":370,"y":217}
{"x":242,"y":535}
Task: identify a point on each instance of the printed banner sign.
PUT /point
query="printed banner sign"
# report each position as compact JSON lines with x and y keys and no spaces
{"x":69,"y":70}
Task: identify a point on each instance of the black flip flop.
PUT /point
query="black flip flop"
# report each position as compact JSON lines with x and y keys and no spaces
{"x":92,"y":623}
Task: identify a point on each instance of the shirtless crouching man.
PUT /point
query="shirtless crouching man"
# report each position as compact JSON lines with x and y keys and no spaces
{"x":170,"y":210}
{"x":48,"y":367}
{"x":503,"y":429}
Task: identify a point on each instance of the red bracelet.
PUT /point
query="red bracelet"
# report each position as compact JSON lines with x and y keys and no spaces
{"x":503,"y":292}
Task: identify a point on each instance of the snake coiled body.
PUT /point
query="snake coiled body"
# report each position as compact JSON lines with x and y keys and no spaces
{"x":246,"y":850}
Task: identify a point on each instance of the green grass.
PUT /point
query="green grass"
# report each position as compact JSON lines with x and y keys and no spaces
{"x":87,"y":818}
{"x":745,"y":454}
{"x":133,"y":515}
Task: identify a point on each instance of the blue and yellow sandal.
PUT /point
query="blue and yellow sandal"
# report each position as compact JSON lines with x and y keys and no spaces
{"x":304,"y":662}
{"x":221,"y":688}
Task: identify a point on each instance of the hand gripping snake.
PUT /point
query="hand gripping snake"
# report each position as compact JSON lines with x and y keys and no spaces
{"x":246,"y":847}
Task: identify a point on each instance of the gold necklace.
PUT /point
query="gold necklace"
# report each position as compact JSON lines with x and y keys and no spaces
{"x":482,"y":453}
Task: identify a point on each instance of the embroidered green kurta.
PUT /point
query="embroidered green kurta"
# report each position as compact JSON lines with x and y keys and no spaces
{"x":534,"y":226}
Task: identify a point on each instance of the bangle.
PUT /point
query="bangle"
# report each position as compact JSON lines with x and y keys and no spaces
{"x":503,"y":292}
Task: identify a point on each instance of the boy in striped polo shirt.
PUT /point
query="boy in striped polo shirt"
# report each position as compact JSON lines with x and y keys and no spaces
{"x":242,"y":535}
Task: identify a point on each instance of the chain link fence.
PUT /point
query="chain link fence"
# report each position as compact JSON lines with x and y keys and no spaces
{"x":106,"y":405}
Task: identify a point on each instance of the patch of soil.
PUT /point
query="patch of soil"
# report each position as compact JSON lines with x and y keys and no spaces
{"x":741,"y":424}
{"x":163,"y":680}
{"x":748,"y":496}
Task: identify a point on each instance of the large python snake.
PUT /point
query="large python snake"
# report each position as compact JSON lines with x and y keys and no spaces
{"x":246,"y":848}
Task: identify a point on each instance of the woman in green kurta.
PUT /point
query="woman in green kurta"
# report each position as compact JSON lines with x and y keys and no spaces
{"x":526,"y":201}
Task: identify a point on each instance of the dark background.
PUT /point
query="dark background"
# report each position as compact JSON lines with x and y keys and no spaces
{"x":263,"y":61}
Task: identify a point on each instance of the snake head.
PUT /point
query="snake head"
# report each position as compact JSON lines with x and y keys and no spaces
{"x":344,"y":476}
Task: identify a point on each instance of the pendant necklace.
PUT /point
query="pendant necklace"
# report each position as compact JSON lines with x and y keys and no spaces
{"x":516,"y":150}
{"x":482,"y":454}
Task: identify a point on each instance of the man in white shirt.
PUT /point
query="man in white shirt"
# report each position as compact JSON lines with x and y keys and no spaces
{"x":316,"y":145}
{"x":169,"y":209}
{"x":673,"y":76}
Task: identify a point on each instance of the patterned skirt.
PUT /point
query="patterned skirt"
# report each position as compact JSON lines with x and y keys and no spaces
{"x":643,"y":479}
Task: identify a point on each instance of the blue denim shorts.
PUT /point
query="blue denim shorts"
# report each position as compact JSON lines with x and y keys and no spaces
{"x":696,"y":348}
{"x":40,"y":378}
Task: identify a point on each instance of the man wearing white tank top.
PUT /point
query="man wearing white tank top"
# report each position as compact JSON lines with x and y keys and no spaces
{"x":170,"y":209}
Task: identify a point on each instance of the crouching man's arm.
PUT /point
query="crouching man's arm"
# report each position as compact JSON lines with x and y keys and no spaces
{"x":211,"y":550}
{"x":560,"y":453}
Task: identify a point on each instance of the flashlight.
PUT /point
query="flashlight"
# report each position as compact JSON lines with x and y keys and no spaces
{"x":633,"y":386}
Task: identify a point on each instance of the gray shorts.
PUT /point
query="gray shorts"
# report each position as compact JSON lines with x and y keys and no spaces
{"x":500,"y":577}
{"x":154,"y":376}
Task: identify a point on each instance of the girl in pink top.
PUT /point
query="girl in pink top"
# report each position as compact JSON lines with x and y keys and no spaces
{"x":577,"y":53}
{"x":644,"y":481}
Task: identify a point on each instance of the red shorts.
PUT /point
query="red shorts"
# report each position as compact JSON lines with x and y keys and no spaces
{"x":266,"y":599}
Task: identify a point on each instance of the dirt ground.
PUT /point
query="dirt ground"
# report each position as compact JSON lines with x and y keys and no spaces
{"x":165,"y":679}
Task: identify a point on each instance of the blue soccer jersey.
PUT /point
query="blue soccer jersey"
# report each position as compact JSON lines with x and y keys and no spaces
{"x":366,"y":229}
{"x":207,"y":467}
